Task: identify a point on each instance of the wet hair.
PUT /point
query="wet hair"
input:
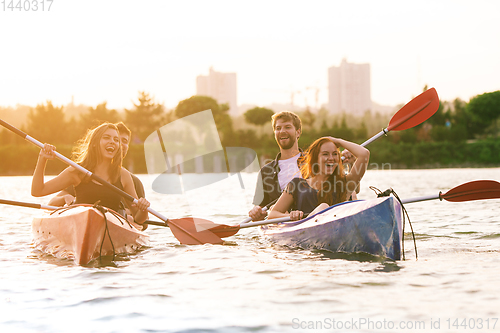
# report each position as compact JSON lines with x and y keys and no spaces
{"x":287,"y":116}
{"x":334,"y":189}
{"x":123,"y":129}
{"x":87,"y":151}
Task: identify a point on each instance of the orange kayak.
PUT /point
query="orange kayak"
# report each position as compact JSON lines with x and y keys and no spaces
{"x":83,"y":234}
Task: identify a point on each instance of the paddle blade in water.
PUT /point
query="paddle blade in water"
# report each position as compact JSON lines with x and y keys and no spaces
{"x":416,"y":111}
{"x":193,"y":231}
{"x":475,"y":190}
{"x":223,"y":230}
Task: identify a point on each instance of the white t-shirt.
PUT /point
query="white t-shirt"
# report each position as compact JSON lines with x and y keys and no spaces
{"x":288,"y":171}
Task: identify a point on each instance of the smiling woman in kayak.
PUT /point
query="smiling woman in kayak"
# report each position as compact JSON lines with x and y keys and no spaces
{"x":324,"y":182}
{"x":99,"y":152}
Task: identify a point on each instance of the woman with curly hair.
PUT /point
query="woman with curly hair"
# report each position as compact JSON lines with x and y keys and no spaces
{"x":99,"y":152}
{"x":324,"y":181}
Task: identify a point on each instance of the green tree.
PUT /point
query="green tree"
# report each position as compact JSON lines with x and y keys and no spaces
{"x":483,"y":111}
{"x":222,"y":119}
{"x":324,"y":129}
{"x":46,"y":123}
{"x":308,"y":118}
{"x":146,"y":117}
{"x":440,"y":117}
{"x":411,"y":135}
{"x":247,"y":138}
{"x":362,"y":132}
{"x":440,"y":133}
{"x":344,"y":131}
{"x":96,"y":116}
{"x":460,"y":114}
{"x":258,"y":116}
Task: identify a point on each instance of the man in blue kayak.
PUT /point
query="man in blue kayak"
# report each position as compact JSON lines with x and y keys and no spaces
{"x":67,"y":196}
{"x":275,"y":175}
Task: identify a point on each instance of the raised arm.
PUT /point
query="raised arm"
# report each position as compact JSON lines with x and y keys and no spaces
{"x":39,"y":187}
{"x":358,"y":169}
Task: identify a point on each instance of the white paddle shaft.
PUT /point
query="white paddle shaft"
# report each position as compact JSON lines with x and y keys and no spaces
{"x":424,"y":198}
{"x":264,"y":222}
{"x":375,"y":137}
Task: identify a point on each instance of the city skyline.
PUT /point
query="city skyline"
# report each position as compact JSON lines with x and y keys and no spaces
{"x":96,"y":51}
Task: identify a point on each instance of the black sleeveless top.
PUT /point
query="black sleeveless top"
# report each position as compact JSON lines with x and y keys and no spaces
{"x":139,"y":187}
{"x":305,"y":198}
{"x":90,"y":192}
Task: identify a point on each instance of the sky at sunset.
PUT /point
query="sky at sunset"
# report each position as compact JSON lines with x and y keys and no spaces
{"x":97,"y":51}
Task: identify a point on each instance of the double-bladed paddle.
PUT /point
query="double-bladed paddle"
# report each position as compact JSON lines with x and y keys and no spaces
{"x":184,"y":229}
{"x":474,"y":190}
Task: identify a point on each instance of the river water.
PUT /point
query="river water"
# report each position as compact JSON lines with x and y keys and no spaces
{"x":249,"y":284}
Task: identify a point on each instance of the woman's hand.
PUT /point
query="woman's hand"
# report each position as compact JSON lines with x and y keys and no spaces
{"x":296,"y":215}
{"x":68,"y":199}
{"x":348,"y":157}
{"x":47,"y":152}
{"x":141,"y":210}
{"x":256,"y":214}
{"x":336,"y":141}
{"x":138,"y":226}
{"x":142,"y":204}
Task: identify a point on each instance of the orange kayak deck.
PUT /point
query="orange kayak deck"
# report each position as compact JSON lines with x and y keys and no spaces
{"x":83,"y":234}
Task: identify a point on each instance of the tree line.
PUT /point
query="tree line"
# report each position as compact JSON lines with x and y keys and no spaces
{"x":442,"y":140}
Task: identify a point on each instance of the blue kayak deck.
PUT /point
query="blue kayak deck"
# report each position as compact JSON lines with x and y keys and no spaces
{"x":371,"y":226}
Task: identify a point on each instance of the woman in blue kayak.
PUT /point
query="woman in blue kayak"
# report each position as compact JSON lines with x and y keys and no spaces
{"x":99,"y":152}
{"x":324,"y":181}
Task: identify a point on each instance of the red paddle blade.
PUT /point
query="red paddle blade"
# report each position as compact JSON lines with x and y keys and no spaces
{"x":475,"y":190}
{"x":194,"y":231}
{"x":223,"y":230}
{"x":415,"y":111}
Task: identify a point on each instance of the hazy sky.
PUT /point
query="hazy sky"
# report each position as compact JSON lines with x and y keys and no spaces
{"x":109,"y":50}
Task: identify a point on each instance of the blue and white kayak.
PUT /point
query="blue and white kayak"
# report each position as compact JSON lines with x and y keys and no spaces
{"x":371,"y":226}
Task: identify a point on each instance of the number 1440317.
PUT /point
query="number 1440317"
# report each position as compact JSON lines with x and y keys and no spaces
{"x":472,"y":323}
{"x":27,"y":5}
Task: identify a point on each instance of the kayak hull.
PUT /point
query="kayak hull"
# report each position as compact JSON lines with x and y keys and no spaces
{"x":371,"y":226}
{"x":83,"y":234}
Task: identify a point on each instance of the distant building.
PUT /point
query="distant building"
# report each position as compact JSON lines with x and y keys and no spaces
{"x":349,"y":88}
{"x":220,"y":86}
